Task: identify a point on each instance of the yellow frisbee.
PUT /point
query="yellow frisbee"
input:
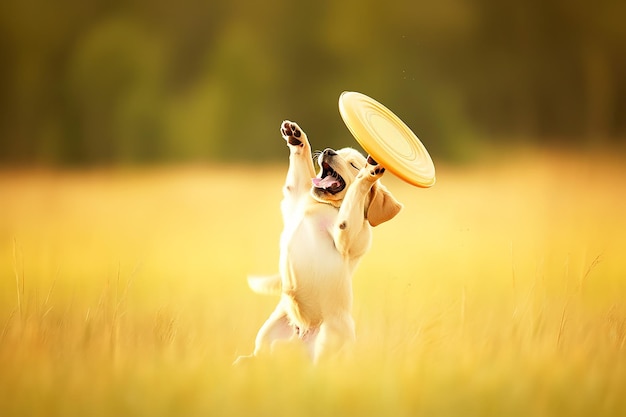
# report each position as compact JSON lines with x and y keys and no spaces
{"x":387,"y":139}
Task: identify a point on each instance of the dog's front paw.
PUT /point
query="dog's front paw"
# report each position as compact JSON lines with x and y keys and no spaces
{"x":292,"y":133}
{"x":372,"y":171}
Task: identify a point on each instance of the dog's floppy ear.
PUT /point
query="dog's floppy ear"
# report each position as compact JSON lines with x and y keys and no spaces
{"x":383,"y":206}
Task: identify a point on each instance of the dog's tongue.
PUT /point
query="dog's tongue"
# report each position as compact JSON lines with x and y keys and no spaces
{"x":326,"y":182}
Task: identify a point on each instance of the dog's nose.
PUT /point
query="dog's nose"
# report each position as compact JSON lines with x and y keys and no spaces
{"x":329,"y":152}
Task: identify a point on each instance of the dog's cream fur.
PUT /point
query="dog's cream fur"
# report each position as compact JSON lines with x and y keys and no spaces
{"x":327,"y":229}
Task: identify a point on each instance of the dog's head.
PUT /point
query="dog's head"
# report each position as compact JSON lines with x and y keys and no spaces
{"x":338,"y":171}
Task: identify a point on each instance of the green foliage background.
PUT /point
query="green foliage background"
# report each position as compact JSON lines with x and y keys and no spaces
{"x":134,"y":81}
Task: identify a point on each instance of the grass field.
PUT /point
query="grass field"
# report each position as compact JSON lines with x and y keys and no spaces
{"x":501,"y":291}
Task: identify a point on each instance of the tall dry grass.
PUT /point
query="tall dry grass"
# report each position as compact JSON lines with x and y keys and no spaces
{"x":500,"y":291}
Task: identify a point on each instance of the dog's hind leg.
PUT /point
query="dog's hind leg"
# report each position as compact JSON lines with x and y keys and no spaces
{"x":334,"y":334}
{"x":276,"y":327}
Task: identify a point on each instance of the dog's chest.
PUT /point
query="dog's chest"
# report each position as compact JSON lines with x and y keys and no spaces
{"x":323,"y":223}
{"x":320,"y":219}
{"x":311,"y":228}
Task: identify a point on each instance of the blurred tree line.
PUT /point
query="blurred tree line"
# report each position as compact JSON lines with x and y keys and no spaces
{"x":111,"y":81}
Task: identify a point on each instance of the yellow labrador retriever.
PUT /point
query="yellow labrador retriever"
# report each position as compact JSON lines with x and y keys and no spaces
{"x":327,"y":229}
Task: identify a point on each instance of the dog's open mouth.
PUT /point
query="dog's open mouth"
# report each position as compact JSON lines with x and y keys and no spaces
{"x":329,"y":181}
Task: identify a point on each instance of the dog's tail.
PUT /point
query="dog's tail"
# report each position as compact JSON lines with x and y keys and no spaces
{"x":268,"y":285}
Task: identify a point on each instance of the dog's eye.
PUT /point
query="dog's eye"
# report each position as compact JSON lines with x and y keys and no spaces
{"x":354,"y":166}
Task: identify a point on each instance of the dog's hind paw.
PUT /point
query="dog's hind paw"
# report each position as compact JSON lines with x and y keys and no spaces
{"x":292,"y":133}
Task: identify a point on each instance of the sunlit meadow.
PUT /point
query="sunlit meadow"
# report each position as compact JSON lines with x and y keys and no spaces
{"x":500,"y":291}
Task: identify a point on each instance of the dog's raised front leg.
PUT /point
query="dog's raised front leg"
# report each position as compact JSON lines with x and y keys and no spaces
{"x":301,"y":170}
{"x":351,"y":221}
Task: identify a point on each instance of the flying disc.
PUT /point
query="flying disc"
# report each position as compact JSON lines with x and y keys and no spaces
{"x":387,"y":139}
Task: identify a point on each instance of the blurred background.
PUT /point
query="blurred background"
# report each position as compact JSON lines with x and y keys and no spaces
{"x":124,"y":82}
